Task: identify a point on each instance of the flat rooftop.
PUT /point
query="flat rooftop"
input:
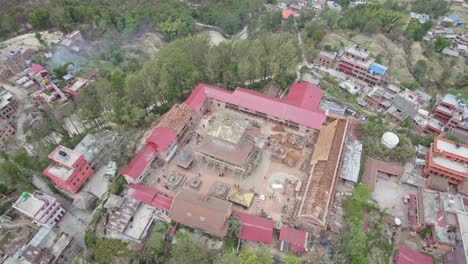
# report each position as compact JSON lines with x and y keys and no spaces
{"x":141,"y":220}
{"x":450,"y":164}
{"x":65,"y":156}
{"x":450,"y":99}
{"x":5,"y":98}
{"x":358,"y":51}
{"x":439,"y":211}
{"x":77,"y":85}
{"x":33,"y":204}
{"x":463,"y":223}
{"x":365,"y":64}
{"x":451,"y":147}
{"x":59,"y":171}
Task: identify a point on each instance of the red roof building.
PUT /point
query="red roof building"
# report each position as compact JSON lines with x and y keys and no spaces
{"x":294,"y":110}
{"x":287,"y":13}
{"x":36,"y":68}
{"x":149,"y":196}
{"x":293,"y":239}
{"x":161,"y":138}
{"x":255,"y":228}
{"x":140,"y":163}
{"x":300,"y":110}
{"x":405,"y":255}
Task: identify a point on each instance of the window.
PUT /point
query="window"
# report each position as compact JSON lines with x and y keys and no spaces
{"x":219,"y":104}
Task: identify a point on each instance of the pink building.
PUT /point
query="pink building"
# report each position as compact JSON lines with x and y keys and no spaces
{"x":44,"y":209}
{"x":69,"y":169}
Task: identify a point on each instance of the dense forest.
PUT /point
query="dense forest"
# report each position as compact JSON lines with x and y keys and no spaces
{"x":97,"y":17}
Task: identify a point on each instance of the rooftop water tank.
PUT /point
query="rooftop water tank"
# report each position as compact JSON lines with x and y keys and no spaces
{"x":390,"y":140}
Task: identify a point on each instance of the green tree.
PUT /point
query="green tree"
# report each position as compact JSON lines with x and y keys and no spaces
{"x":108,"y":250}
{"x":420,"y":71}
{"x":453,"y":138}
{"x":291,"y":259}
{"x":234,"y":227}
{"x":39,"y":18}
{"x":9,"y":23}
{"x":184,"y":251}
{"x":434,"y":8}
{"x":440,"y":43}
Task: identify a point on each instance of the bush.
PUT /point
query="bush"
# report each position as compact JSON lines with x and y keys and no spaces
{"x":89,"y":239}
{"x":117,"y":186}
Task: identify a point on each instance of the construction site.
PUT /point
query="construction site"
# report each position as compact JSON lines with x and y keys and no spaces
{"x":264,"y":167}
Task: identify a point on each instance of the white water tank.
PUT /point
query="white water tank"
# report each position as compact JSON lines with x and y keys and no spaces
{"x":389,"y":140}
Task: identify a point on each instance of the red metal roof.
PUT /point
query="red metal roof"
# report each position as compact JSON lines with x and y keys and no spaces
{"x":35,"y":69}
{"x":305,"y":95}
{"x":149,"y":196}
{"x":162,"y":138}
{"x":255,"y":228}
{"x":408,"y":256}
{"x":303,"y":111}
{"x":140,"y":162}
{"x":287,"y":13}
{"x":296,"y":238}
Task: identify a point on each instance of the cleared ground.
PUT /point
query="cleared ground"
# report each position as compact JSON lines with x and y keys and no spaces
{"x":388,"y":193}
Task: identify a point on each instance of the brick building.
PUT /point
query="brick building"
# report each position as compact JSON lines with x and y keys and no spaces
{"x":44,"y":209}
{"x":326,"y":59}
{"x":12,"y":62}
{"x":447,"y":159}
{"x":356,"y":62}
{"x":69,"y":169}
{"x":6,"y":130}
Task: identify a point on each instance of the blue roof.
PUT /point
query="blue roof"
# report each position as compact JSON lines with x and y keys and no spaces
{"x":455,"y":19}
{"x":378,"y":69}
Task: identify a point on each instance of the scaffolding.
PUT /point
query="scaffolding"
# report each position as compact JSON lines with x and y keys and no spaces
{"x":253,"y":161}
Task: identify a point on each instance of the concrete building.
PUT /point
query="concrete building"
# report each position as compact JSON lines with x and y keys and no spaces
{"x":378,"y":99}
{"x":438,"y":212}
{"x":75,"y":86}
{"x":42,"y":208}
{"x":356,"y":62}
{"x":129,"y":219}
{"x":326,"y":59}
{"x":69,"y":169}
{"x":447,"y":159}
{"x":49,"y":95}
{"x":450,"y":112}
{"x":8,"y":105}
{"x":45,"y":247}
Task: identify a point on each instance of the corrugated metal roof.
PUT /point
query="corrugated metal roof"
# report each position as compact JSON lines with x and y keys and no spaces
{"x":296,"y":108}
{"x":149,"y":196}
{"x":296,"y":238}
{"x":140,"y":162}
{"x":255,"y":228}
